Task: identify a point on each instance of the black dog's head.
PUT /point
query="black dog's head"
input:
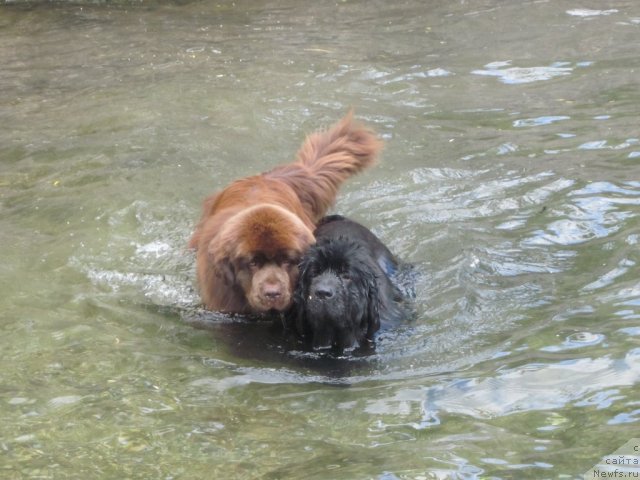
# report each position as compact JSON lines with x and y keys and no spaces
{"x":336,"y":300}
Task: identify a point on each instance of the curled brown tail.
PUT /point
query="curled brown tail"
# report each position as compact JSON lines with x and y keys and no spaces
{"x":326,"y":159}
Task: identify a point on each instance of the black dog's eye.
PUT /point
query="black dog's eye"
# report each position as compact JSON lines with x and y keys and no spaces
{"x":345,"y":276}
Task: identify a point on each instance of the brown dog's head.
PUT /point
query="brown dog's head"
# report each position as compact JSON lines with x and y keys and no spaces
{"x":257,"y":252}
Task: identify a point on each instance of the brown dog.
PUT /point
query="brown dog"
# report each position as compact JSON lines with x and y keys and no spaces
{"x":253,"y":233}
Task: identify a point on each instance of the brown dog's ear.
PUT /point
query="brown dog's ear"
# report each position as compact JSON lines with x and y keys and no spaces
{"x":307,"y":239}
{"x":218,"y":258}
{"x":224,"y":270}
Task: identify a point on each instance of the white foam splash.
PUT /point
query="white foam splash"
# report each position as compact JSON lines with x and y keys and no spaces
{"x":520,"y":75}
{"x":587,"y":12}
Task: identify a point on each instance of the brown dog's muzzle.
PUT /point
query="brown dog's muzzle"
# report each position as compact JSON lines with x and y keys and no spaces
{"x":270,"y":289}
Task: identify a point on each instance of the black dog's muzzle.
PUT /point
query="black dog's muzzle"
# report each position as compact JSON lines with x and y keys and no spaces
{"x":325,"y":287}
{"x":327,"y":308}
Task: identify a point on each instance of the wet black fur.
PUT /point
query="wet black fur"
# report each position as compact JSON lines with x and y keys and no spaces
{"x":344,"y":290}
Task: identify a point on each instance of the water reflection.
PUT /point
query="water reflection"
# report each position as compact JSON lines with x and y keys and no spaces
{"x":536,"y":122}
{"x":529,"y":387}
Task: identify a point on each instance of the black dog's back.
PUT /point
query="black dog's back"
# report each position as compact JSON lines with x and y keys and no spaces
{"x":337,"y":226}
{"x":346,"y":247}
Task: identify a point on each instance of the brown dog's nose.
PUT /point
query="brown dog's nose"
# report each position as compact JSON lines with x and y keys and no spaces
{"x":272,"y":292}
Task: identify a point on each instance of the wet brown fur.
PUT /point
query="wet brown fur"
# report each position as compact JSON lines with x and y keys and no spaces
{"x":270,"y":218}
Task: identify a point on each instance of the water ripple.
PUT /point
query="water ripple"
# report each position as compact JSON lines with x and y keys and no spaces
{"x":595,"y":211}
{"x":520,"y":75}
{"x":444,"y":195}
{"x":576,"y":340}
{"x":609,"y":277}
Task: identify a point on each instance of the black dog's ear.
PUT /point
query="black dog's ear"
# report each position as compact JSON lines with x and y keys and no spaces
{"x":299,"y":319}
{"x":299,"y":300}
{"x":371,"y":320}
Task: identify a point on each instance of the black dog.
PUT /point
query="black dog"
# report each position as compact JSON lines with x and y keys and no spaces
{"x":344,"y":290}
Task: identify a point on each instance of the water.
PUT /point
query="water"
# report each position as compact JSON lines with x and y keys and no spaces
{"x":510,"y":178}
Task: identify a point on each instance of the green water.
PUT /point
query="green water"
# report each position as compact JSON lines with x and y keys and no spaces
{"x":510,"y":178}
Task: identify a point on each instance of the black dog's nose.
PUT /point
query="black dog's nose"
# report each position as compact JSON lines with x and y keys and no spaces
{"x":323,"y":292}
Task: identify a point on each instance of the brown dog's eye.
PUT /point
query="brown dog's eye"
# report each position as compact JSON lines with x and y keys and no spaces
{"x":254,"y":264}
{"x":289,"y":262}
